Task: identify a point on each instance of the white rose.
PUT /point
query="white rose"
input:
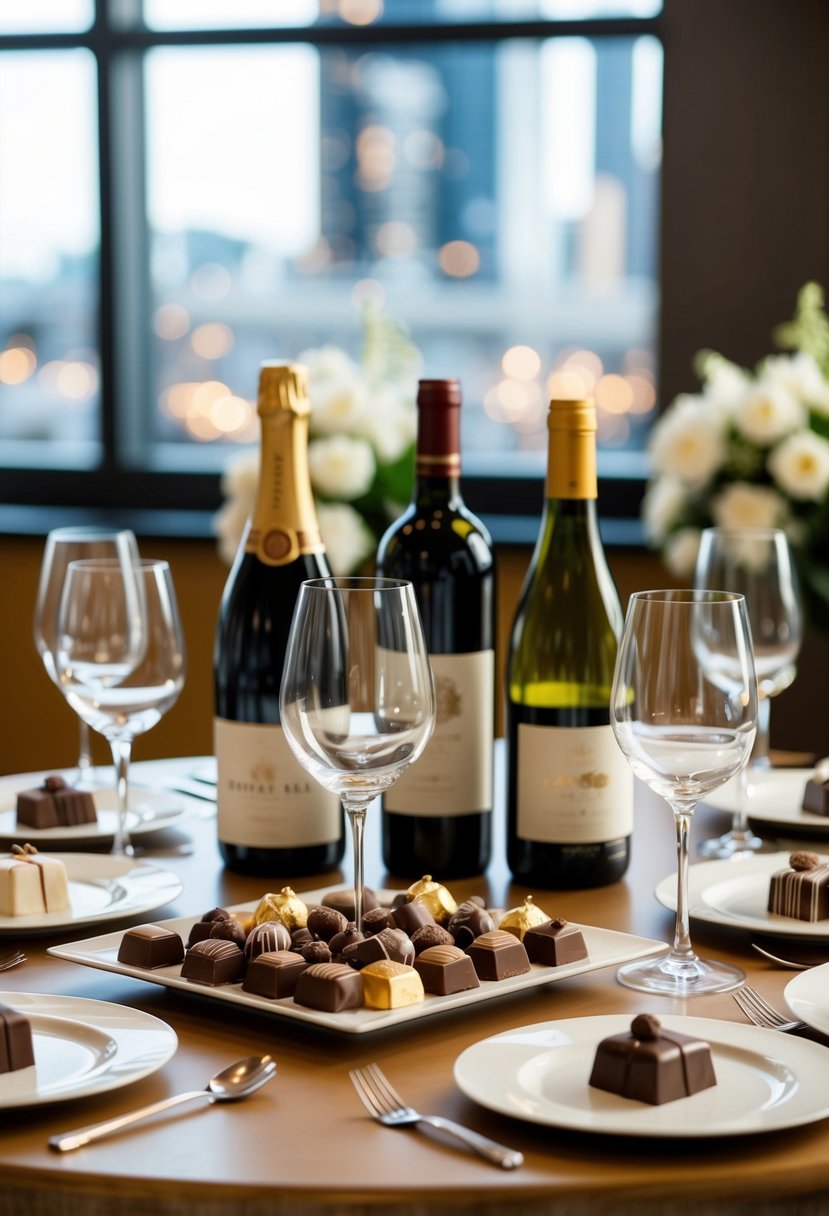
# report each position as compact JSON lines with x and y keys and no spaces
{"x":742,"y":505}
{"x":680,"y":552}
{"x":662,"y":506}
{"x":768,"y":411}
{"x":802,"y":376}
{"x":328,"y":363}
{"x":341,"y":467}
{"x":725,"y":383}
{"x":688,"y":441}
{"x":348,"y":540}
{"x":391,"y":425}
{"x":800,"y":466}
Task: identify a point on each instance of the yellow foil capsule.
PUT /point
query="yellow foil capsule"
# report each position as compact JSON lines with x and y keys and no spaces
{"x":285,"y":906}
{"x":435,"y":896}
{"x":526,"y":916}
{"x":390,"y":985}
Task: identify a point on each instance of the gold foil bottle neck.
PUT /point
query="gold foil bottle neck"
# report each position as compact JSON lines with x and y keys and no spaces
{"x":283,"y":387}
{"x":575,"y":415}
{"x":571,"y":455}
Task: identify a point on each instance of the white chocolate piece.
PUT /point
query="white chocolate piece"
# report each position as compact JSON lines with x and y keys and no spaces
{"x":390,"y":985}
{"x":33,"y":884}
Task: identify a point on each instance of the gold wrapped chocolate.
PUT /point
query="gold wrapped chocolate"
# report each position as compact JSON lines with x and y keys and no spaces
{"x":285,"y":906}
{"x":526,"y":916}
{"x":435,"y":897}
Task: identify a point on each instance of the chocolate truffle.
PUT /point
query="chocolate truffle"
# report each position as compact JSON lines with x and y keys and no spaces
{"x":801,"y":893}
{"x":410,"y":916}
{"x":316,"y":952}
{"x":390,"y":985}
{"x":437,"y":898}
{"x":651,"y":1064}
{"x":555,"y":943}
{"x":375,"y":920}
{"x":330,"y":987}
{"x":343,"y":901}
{"x":16,"y":1049}
{"x":341,"y":942}
{"x":431,"y":935}
{"x":468,"y":921}
{"x":55,"y":804}
{"x":446,"y":969}
{"x":284,"y":905}
{"x":274,"y":974}
{"x":213,"y":962}
{"x":271,"y":935}
{"x":325,"y":922}
{"x":498,"y":955}
{"x":150,"y":946}
{"x":200,"y":930}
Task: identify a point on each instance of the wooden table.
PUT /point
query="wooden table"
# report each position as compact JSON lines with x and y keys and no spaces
{"x":303,"y":1145}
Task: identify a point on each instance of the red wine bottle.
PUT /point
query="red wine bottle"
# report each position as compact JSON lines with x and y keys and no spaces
{"x":437,"y":818}
{"x":273,"y":818}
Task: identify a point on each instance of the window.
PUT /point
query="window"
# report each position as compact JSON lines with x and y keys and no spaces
{"x":486,"y":170}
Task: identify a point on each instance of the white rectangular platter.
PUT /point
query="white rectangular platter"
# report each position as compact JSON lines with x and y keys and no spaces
{"x":605,"y":948}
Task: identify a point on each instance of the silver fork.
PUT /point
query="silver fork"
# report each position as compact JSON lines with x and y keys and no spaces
{"x":11,"y":958}
{"x":385,"y":1105}
{"x":761,"y":1013}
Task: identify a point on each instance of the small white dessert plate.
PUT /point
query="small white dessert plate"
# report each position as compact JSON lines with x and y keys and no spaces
{"x":776,"y":798}
{"x":149,"y":811}
{"x":101,"y":888}
{"x":807,"y":995}
{"x":82,"y":1047}
{"x":735,"y":893}
{"x":766,"y":1081}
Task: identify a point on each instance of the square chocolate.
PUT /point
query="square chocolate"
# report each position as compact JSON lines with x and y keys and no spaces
{"x":555,"y":943}
{"x":150,"y":946}
{"x":274,"y":973}
{"x":498,"y":955}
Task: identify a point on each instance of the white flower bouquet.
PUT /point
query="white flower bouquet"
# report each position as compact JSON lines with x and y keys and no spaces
{"x":361,"y":449}
{"x":750,"y":450}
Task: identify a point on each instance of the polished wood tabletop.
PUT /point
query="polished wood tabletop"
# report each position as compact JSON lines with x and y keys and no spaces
{"x":303,"y":1144}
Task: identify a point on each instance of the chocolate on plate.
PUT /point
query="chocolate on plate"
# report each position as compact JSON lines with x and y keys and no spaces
{"x":284,"y":905}
{"x":390,"y":985}
{"x":274,"y":974}
{"x":498,"y":955}
{"x":554,"y":943}
{"x":343,"y":901}
{"x":330,"y":987}
{"x":213,"y":962}
{"x":816,"y":796}
{"x":431,"y":935}
{"x":150,"y":946}
{"x":324,"y":922}
{"x":440,"y":901}
{"x":651,"y":1064}
{"x":54,"y":804}
{"x":32,"y":883}
{"x":411,"y":916}
{"x":469,"y":920}
{"x":446,"y":969}
{"x":802,"y":892}
{"x":526,"y":916}
{"x":16,"y":1049}
{"x":269,"y":936}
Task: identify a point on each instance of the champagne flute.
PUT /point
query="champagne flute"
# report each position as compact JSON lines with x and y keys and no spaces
{"x":65,"y":545}
{"x":757,"y":563}
{"x":684,"y":711}
{"x":357,"y":702}
{"x":120,"y":656}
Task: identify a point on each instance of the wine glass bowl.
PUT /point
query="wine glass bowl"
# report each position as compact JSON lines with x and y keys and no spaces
{"x":357,"y":701}
{"x":684,"y":712}
{"x":757,"y":563}
{"x":120,"y":655}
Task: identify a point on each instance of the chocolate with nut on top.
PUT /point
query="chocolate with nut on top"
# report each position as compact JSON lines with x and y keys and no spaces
{"x":554,"y":943}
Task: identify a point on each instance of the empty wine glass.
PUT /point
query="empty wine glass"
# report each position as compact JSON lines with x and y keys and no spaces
{"x":757,"y":563}
{"x":357,"y":702}
{"x":120,"y":656}
{"x":65,"y":545}
{"x":684,"y":711}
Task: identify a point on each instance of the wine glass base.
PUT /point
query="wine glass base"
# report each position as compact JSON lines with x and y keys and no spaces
{"x":668,"y":976}
{"x":734,"y":844}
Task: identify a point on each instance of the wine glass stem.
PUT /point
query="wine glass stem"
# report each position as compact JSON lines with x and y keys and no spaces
{"x":121,"y":751}
{"x":682,"y":950}
{"x":84,"y":753}
{"x":760,"y":757}
{"x":357,"y":816}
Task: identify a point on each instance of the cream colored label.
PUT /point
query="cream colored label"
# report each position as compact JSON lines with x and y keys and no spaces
{"x":453,"y":776}
{"x":265,"y":798}
{"x":574,"y":785}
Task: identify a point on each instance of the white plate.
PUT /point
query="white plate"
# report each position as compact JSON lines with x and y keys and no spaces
{"x":807,"y":995}
{"x":83,"y":1047}
{"x":735,"y":893}
{"x":101,"y":888}
{"x":149,"y":811}
{"x":776,"y":798}
{"x":765,"y":1080}
{"x":605,"y":948}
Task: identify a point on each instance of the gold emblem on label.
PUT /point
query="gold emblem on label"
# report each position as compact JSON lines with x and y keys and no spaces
{"x":448,"y":698}
{"x":276,"y":544}
{"x":263,"y":772}
{"x":582,"y":781}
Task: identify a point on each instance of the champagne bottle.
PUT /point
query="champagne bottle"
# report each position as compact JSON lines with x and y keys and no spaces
{"x":273,"y":818}
{"x":569,"y":788}
{"x":437,"y":818}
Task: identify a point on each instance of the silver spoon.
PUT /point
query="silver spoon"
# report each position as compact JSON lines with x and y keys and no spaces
{"x":232,"y":1083}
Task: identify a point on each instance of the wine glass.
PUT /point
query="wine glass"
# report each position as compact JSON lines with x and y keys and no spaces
{"x":357,"y":702}
{"x":684,"y":711}
{"x":757,"y":563}
{"x":65,"y":545}
{"x":120,"y":656}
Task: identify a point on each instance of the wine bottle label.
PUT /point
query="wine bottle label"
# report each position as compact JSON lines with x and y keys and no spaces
{"x":265,"y":798}
{"x":574,"y":785}
{"x":453,"y":775}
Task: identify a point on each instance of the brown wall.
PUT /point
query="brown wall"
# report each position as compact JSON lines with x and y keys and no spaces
{"x":39,"y":730}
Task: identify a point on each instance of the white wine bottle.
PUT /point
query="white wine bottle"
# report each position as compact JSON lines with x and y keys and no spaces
{"x":272,"y":817}
{"x":569,"y":788}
